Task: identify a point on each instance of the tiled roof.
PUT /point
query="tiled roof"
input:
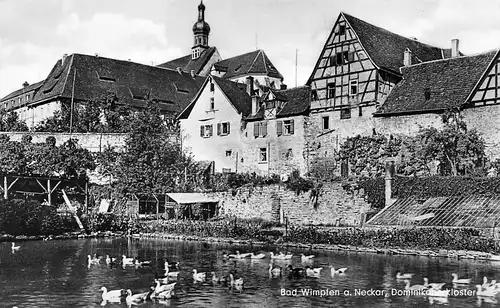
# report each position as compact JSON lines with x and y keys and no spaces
{"x":386,"y":49}
{"x":448,"y":84}
{"x":298,"y":101}
{"x":133,"y":83}
{"x":187,"y":64}
{"x":27,"y":89}
{"x":255,"y":62}
{"x":237,"y":94}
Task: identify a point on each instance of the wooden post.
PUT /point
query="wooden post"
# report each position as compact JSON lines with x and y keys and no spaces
{"x":49,"y":192}
{"x":5,"y":188}
{"x":389,"y":178}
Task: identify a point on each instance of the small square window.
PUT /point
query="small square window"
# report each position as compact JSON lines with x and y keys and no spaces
{"x":326,"y":123}
{"x":342,"y":29}
{"x":339,"y":59}
{"x":330,"y":90}
{"x":225,"y":128}
{"x":212,"y":87}
{"x":229,"y":153}
{"x":206,"y":131}
{"x":288,"y":127}
{"x":353,"y":87}
{"x":263,"y":155}
{"x":212,"y":104}
{"x":314,"y":95}
{"x":345,"y":113}
{"x":360,"y":111}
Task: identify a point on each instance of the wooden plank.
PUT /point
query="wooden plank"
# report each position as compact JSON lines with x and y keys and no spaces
{"x":73,"y":210}
{"x":12,"y":184}
{"x":43,"y":187}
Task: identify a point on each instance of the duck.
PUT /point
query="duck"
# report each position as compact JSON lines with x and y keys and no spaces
{"x":110,"y":260}
{"x":438,"y":293}
{"x":459,"y":281}
{"x":339,"y":271}
{"x":137,"y":298}
{"x":92,"y":260}
{"x":486,"y":292}
{"x":404,"y":276}
{"x":166,"y":287}
{"x":236,"y":282}
{"x":138,"y":263}
{"x":435,"y":286}
{"x":127,"y":261}
{"x":296,"y":272}
{"x":14,"y":247}
{"x":281,"y":256}
{"x":159,"y":295}
{"x":487,"y":284}
{"x":215,"y":279}
{"x":163,"y":280}
{"x":112,"y":295}
{"x":306,"y":258}
{"x":239,"y":255}
{"x":313,"y":271}
{"x":415,"y":287}
{"x":168,"y":273}
{"x":198,"y":276}
{"x":274,"y":271}
{"x":259,"y":256}
{"x":171,"y":266}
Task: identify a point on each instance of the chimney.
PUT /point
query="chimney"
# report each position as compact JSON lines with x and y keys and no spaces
{"x":454,"y":48}
{"x":192,"y":73}
{"x":249,"y":82}
{"x":407,"y":57}
{"x":64,"y":58}
{"x":25,"y":84}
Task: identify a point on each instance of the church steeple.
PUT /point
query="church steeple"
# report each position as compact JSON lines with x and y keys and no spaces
{"x":201,"y":30}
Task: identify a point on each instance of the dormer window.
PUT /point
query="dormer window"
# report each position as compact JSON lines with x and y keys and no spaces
{"x":196,"y":54}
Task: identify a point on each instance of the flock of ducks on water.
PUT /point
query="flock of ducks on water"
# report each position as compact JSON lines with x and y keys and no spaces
{"x":486,"y":289}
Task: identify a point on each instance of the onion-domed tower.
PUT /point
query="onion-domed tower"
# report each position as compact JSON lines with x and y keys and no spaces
{"x":201,"y":29}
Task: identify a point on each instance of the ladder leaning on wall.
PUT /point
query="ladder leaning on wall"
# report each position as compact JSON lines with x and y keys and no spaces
{"x":73,"y":210}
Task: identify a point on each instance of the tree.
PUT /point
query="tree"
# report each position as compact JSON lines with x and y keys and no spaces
{"x":10,"y":122}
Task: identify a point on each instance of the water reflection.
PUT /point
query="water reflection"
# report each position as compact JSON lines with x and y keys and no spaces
{"x":56,"y":274}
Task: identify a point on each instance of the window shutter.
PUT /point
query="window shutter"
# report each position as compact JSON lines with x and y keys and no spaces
{"x":218,"y":129}
{"x":291,"y":127}
{"x":211,"y":130}
{"x":264,"y":129}
{"x":202,"y":131}
{"x":279,"y":128}
{"x":256,"y":129}
{"x":228,"y":128}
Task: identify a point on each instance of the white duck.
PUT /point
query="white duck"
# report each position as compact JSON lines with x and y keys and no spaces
{"x":486,"y":292}
{"x":339,"y":271}
{"x":435,"y":286}
{"x":403,"y":276}
{"x":305,"y":258}
{"x":281,"y":256}
{"x":162,"y":288}
{"x":239,"y":255}
{"x":14,"y":247}
{"x":168,"y":273}
{"x":238,"y":283}
{"x":274,"y":271}
{"x":112,"y":295}
{"x":486,"y":284}
{"x":313,"y":271}
{"x":259,"y":256}
{"x":136,"y":298}
{"x":459,"y":281}
{"x":127,"y":261}
{"x":415,"y":287}
{"x":199,"y":276}
{"x":162,"y":295}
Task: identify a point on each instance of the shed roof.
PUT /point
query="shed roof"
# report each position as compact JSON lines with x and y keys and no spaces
{"x":188,"y":198}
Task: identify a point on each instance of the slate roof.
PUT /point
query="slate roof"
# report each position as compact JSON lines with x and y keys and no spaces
{"x":133,"y":83}
{"x":386,"y":49}
{"x":27,"y":89}
{"x":187,"y":64}
{"x":255,"y":62}
{"x":298,"y":101}
{"x":448,"y":82}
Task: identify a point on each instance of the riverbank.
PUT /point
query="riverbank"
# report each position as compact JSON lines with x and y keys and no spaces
{"x":64,"y":236}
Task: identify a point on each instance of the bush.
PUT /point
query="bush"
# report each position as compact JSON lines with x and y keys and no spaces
{"x":97,"y":222}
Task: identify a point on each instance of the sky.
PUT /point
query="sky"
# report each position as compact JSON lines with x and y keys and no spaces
{"x":34,"y":34}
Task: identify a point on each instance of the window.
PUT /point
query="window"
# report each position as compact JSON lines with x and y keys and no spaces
{"x":341,"y":58}
{"x":427,"y":94}
{"x":212,"y":87}
{"x":196,"y":53}
{"x":206,"y":131}
{"x":341,"y":29}
{"x":263,"y":155}
{"x":345,"y":57}
{"x":353,"y":87}
{"x":20,"y":100}
{"x":226,"y":170}
{"x":223,"y":129}
{"x":212,"y":104}
{"x":360,"y":111}
{"x":314,"y":95}
{"x":345,"y":113}
{"x":326,"y":123}
{"x":338,"y":57}
{"x":330,"y":90}
{"x":27,"y":97}
{"x":229,"y":153}
{"x":260,"y":129}
{"x":288,"y":127}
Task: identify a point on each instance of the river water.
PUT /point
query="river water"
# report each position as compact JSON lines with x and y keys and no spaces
{"x":56,"y":274}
